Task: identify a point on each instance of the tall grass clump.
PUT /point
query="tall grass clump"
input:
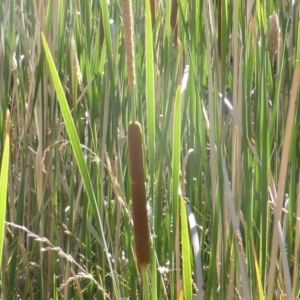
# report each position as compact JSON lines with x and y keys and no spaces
{"x":214,"y":86}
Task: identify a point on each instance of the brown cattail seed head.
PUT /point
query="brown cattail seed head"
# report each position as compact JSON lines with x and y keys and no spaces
{"x":126,"y":6}
{"x":138,"y":190}
{"x":173,"y":18}
{"x":273,"y":35}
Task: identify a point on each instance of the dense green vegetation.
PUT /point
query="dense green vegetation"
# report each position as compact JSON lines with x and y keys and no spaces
{"x":214,"y":85}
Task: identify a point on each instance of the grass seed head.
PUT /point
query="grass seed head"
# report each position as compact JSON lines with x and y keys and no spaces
{"x":138,"y":190}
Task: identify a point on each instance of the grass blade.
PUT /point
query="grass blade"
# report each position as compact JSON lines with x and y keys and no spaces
{"x":176,"y":172}
{"x":186,"y":253}
{"x":150,"y":91}
{"x":3,"y":183}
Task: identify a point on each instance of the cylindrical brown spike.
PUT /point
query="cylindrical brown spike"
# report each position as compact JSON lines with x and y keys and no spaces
{"x":174,"y":9}
{"x":273,"y":35}
{"x":138,"y":190}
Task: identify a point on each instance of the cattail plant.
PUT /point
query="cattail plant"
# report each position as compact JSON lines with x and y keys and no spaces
{"x":138,"y":190}
{"x":174,"y":9}
{"x":126,"y":6}
{"x":273,"y":35}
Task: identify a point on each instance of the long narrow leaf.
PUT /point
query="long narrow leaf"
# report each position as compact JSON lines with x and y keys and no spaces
{"x":186,"y":253}
{"x":150,"y":95}
{"x":3,"y":185}
{"x":175,"y":175}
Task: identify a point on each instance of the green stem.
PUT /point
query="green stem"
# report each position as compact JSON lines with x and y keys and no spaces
{"x":145,"y":283}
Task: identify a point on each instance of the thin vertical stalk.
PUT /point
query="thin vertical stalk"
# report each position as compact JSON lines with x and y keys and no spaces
{"x":282,"y":177}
